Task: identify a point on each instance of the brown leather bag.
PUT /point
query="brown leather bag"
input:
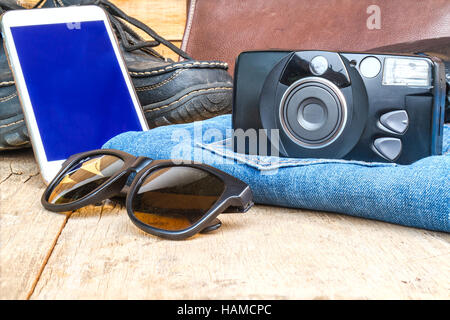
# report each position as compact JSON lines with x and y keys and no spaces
{"x":221,"y":29}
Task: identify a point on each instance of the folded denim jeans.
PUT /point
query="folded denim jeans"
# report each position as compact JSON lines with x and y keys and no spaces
{"x":416,"y":195}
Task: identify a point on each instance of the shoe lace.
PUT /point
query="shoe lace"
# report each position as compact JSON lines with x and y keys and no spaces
{"x":6,"y":5}
{"x":129,"y":39}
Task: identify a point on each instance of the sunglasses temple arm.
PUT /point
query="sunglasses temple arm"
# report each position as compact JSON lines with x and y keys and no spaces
{"x":238,"y":204}
{"x":241,"y":203}
{"x":214,"y":225}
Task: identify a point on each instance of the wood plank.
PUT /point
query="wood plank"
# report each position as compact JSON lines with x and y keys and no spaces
{"x":28,"y":231}
{"x":166,"y":17}
{"x":266,"y":253}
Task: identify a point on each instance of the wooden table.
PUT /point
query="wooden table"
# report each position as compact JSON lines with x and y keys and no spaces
{"x":266,"y":253}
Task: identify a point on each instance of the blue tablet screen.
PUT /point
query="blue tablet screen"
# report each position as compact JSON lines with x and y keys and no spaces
{"x":77,"y":90}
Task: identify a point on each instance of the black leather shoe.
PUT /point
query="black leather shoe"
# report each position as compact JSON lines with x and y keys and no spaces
{"x":169,"y":92}
{"x":13,"y":132}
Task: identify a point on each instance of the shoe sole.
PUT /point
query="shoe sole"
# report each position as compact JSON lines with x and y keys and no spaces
{"x":194,"y":104}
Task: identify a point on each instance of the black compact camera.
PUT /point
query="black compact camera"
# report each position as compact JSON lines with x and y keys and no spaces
{"x":321,"y":104}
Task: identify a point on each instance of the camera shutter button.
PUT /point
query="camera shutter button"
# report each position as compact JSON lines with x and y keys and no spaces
{"x":388,"y":148}
{"x":319,"y":65}
{"x":396,"y":121}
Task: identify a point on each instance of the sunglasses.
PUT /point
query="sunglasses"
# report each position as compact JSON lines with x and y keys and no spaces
{"x":174,"y":201}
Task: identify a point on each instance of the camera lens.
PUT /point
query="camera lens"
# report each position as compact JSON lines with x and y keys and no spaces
{"x":313,"y":112}
{"x":312,"y":116}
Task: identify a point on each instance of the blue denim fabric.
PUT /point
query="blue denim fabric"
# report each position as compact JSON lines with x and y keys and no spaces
{"x":416,"y":195}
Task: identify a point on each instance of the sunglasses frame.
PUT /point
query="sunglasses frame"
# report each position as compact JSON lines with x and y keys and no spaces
{"x":236,"y":196}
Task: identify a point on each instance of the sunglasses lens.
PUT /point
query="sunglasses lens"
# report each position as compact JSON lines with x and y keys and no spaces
{"x":84,"y":177}
{"x":175,"y":198}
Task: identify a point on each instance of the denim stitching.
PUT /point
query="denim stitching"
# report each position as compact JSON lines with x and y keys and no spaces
{"x":220,"y":148}
{"x":446,"y":140}
{"x":227,"y":144}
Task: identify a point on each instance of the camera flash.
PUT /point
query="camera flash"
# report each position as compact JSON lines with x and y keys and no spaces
{"x":406,"y":72}
{"x":370,"y":67}
{"x":319,"y":65}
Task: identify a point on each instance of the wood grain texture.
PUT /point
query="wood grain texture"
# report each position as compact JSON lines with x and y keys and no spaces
{"x":266,"y":253}
{"x":27,"y":231}
{"x":166,"y":17}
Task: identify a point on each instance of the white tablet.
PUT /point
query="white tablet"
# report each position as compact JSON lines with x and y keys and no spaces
{"x":72,"y":81}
